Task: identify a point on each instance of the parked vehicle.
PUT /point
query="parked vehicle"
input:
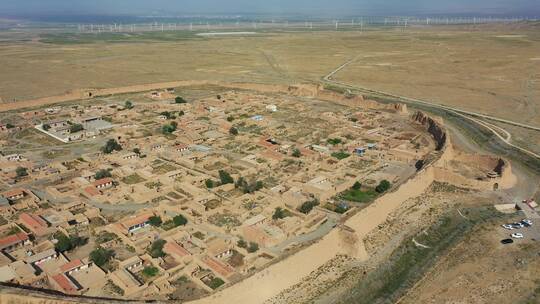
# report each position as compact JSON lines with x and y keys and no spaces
{"x":517,"y":235}
{"x":526,"y":222}
{"x":507,"y":241}
{"x":508,"y":226}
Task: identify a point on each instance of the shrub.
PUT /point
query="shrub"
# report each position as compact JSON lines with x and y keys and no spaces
{"x":296,"y":153}
{"x":279,"y":213}
{"x":180,"y":220}
{"x":156,"y":249}
{"x":225,"y":177}
{"x":102,"y":174}
{"x":306,"y":207}
{"x":230,"y":118}
{"x":168,"y":128}
{"x":334,"y":141}
{"x":128,"y":104}
{"x":252,"y":247}
{"x":357,"y":186}
{"x":21,"y":171}
{"x":101,"y":256}
{"x":110,"y":146}
{"x":46,"y":127}
{"x":383,"y":186}
{"x":67,"y":243}
{"x":75,"y":128}
{"x":179,"y":99}
{"x":209,"y":183}
{"x":241,"y":243}
{"x":233,"y":131}
{"x":155,"y":221}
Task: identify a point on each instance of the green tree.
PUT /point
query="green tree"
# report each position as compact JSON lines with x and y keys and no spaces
{"x":101,"y":256}
{"x":156,"y":249}
{"x":76,"y":128}
{"x":334,"y":141}
{"x":110,"y":146}
{"x":179,"y":99}
{"x":155,"y":221}
{"x":306,"y":207}
{"x":233,"y":131}
{"x":357,"y":186}
{"x":46,"y":127}
{"x":383,"y":186}
{"x":209,"y":183}
{"x":168,"y":115}
{"x":225,"y":177}
{"x":252,"y":247}
{"x":279,"y":213}
{"x":137,"y":151}
{"x":296,"y":152}
{"x":128,"y":104}
{"x":180,"y":220}
{"x":169,"y":128}
{"x":241,"y":243}
{"x":67,"y":243}
{"x":21,"y":171}
{"x":230,"y":118}
{"x":102,"y":174}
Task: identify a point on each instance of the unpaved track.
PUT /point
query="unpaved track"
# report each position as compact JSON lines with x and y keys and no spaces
{"x":473,"y":116}
{"x":328,"y":79}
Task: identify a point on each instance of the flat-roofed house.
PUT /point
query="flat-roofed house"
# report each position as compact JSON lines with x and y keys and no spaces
{"x":219,"y":248}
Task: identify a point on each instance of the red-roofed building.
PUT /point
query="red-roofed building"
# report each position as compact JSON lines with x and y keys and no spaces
{"x":132,"y":224}
{"x":181,"y":147}
{"x":11,"y":242}
{"x":175,"y":249}
{"x":218,"y":267}
{"x":73,"y":266}
{"x":14,"y":194}
{"x":91,"y":191}
{"x":64,"y":284}
{"x":103,"y":183}
{"x":35,"y":223}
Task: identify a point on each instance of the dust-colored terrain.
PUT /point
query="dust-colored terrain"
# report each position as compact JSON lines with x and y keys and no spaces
{"x":488,"y":69}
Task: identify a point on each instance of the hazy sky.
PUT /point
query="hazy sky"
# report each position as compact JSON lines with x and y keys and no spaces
{"x":319,"y":7}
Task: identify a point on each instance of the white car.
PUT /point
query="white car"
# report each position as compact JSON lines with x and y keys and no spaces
{"x":528,"y":222}
{"x":517,"y":235}
{"x":508,"y":226}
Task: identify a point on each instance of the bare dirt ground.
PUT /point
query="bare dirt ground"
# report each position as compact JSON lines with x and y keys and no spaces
{"x":482,"y":270}
{"x":488,"y":69}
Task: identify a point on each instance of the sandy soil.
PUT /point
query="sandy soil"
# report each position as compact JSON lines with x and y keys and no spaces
{"x":487,"y":69}
{"x":481,"y":270}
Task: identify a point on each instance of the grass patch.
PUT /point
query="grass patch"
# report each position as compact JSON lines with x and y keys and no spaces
{"x":359,"y":196}
{"x":133,"y":179}
{"x":408,"y":263}
{"x":340,"y":155}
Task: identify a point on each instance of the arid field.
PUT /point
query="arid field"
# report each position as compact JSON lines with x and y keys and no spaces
{"x":485,"y":68}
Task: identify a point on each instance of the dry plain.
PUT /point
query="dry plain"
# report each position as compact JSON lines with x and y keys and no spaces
{"x":485,"y":68}
{"x":493,"y":70}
